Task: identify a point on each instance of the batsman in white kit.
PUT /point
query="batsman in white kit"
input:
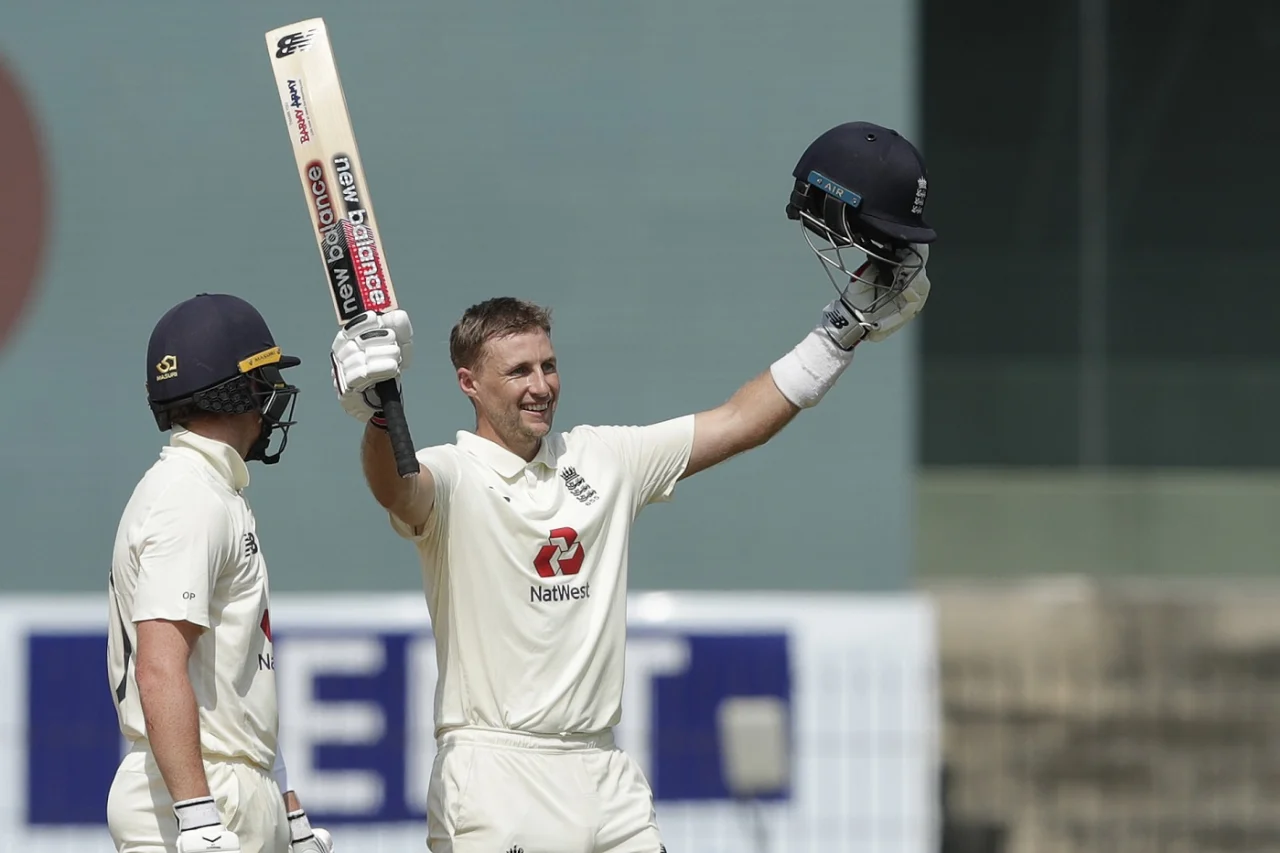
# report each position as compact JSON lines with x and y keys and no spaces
{"x":522,"y":531}
{"x":189,"y":649}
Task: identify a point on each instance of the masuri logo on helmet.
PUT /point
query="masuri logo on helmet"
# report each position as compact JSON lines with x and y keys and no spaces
{"x":231,"y":366}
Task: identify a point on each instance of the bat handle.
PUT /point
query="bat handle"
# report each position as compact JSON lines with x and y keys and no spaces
{"x":398,"y":428}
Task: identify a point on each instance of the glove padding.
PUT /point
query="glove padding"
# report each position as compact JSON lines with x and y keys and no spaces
{"x":200,"y":829}
{"x":304,"y":839}
{"x":370,"y":349}
{"x":847,"y":322}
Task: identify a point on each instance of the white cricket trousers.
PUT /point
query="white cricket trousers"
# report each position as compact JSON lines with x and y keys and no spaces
{"x":140,"y":810}
{"x":496,"y":791}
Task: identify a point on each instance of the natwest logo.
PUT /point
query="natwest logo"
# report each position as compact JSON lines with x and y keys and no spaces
{"x":559,"y":592}
{"x":562,"y":555}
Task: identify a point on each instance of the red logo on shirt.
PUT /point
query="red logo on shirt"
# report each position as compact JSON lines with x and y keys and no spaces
{"x":562,"y":555}
{"x":266,"y":623}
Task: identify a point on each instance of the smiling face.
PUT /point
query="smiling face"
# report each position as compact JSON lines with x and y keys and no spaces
{"x":502,"y":351}
{"x":515,"y":388}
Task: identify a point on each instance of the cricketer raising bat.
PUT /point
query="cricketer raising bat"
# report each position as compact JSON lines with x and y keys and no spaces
{"x":337,"y":195}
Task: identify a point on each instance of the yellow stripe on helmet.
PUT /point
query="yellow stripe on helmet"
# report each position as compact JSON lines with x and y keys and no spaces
{"x":267,"y":356}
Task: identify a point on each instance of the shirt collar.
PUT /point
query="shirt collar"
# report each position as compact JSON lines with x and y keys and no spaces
{"x":506,"y":463}
{"x":224,"y":459}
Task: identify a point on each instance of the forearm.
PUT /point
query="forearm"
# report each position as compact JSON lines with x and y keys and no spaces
{"x":173,"y":729}
{"x":754,"y":414}
{"x":760,"y":410}
{"x":389,"y":489}
{"x":409,"y":499}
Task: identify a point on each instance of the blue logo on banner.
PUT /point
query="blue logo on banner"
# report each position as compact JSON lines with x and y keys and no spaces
{"x":75,"y":743}
{"x":73,"y":740}
{"x":685,"y":739}
{"x":385,"y":757}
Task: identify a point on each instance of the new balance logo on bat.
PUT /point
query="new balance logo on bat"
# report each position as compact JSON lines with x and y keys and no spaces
{"x":293,"y":43}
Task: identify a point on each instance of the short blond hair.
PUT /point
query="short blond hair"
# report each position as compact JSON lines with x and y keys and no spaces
{"x":492,"y":319}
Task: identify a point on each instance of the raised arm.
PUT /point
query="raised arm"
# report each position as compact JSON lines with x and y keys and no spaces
{"x":761,"y":408}
{"x":368,"y":350}
{"x":754,"y":414}
{"x":409,"y":499}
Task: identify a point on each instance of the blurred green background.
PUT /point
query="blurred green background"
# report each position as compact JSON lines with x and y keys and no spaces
{"x":1090,"y":391}
{"x":1100,"y":373}
{"x":626,"y":163}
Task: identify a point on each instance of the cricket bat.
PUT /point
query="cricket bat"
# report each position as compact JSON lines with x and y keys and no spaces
{"x":337,"y":194}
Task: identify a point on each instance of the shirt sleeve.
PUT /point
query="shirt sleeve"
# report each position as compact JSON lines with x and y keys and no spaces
{"x":182,"y":547}
{"x":653,"y":456}
{"x":443,"y":465}
{"x":280,"y":771}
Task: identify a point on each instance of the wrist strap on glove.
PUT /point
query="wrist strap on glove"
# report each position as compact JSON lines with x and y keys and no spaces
{"x":299,"y":826}
{"x":196,"y":813}
{"x":845,"y":325}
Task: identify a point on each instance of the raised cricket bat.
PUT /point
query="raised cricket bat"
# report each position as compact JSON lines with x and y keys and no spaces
{"x":336,"y":193}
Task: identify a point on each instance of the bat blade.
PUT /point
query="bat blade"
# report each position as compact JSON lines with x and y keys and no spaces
{"x":332,"y":177}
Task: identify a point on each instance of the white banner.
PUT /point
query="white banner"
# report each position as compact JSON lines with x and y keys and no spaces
{"x":853,"y":678}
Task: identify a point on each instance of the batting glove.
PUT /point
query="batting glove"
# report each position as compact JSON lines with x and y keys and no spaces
{"x":846,"y":319}
{"x":304,"y":839}
{"x":370,"y":349}
{"x":200,"y":828}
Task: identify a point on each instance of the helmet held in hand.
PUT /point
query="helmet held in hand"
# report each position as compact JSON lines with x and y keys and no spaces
{"x":862,"y":188}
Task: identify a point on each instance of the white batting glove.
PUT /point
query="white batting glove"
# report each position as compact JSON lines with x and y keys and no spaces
{"x":847,"y":322}
{"x":200,"y":828}
{"x":304,"y":839}
{"x":368,"y":350}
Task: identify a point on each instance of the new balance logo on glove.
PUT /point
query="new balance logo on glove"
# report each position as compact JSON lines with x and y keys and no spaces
{"x":835,"y":319}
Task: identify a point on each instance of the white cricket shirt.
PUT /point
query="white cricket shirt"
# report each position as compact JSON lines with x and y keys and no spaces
{"x":525,"y":571}
{"x":187,"y":549}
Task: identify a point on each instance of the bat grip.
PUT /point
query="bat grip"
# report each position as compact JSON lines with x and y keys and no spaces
{"x":398,"y":428}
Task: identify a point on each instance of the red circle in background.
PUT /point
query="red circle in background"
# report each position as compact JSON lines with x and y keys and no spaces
{"x":24,"y":209}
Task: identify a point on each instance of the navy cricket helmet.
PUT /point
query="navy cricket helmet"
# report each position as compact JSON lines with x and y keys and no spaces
{"x":860,"y":186}
{"x":214,"y":353}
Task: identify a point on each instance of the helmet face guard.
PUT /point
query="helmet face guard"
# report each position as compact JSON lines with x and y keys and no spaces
{"x":274,"y":399}
{"x":262,"y":390}
{"x":832,"y":227}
